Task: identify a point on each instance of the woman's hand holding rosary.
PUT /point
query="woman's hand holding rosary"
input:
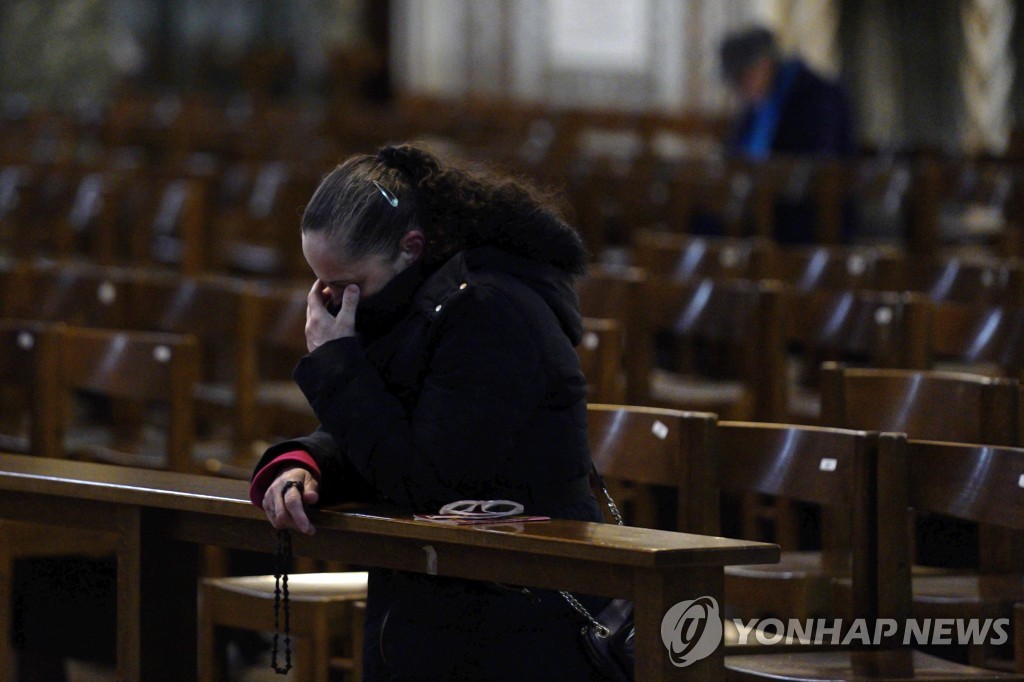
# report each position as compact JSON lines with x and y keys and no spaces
{"x":286,"y":499}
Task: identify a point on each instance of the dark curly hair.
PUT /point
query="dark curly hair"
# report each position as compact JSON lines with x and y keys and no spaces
{"x":455,"y":208}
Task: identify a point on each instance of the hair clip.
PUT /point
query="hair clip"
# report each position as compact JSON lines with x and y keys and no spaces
{"x":392,"y":199}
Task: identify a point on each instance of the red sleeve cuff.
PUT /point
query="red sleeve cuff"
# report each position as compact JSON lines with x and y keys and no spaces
{"x":265,"y":476}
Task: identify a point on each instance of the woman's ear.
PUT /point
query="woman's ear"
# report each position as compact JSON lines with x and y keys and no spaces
{"x":410,"y":246}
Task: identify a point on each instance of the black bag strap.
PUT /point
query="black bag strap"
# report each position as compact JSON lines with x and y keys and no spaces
{"x":607,"y":496}
{"x":599,"y":628}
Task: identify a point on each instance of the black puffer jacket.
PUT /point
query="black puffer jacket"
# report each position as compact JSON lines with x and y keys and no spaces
{"x":462,"y":384}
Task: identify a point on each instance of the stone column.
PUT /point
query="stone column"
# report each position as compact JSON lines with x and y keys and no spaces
{"x":986,"y":74}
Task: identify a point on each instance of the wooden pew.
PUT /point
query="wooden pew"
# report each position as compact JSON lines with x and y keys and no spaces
{"x":162,"y":517}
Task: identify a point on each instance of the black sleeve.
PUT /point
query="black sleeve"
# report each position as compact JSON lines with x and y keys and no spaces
{"x":483,"y":381}
{"x":339,"y":481}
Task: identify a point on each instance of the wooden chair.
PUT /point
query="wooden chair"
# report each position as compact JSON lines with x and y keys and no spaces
{"x":920,"y":403}
{"x":612,"y":293}
{"x":112,"y":363}
{"x":282,"y":343}
{"x":976,"y":279}
{"x":711,"y":345}
{"x":886,"y":329}
{"x":83,"y":229}
{"x":833,"y":267}
{"x":601,"y":360}
{"x":161,"y":222}
{"x":18,"y":183}
{"x":605,"y":184}
{"x":609,"y":292}
{"x":253,"y":213}
{"x":764,"y":199}
{"x":977,"y":338}
{"x":662,"y":468}
{"x":322,"y":609}
{"x":76,"y":294}
{"x":881,"y":590}
{"x":975,"y":206}
{"x":141,"y":367}
{"x":686,"y":258}
{"x":656,"y":460}
{"x":222,"y":314}
{"x":722,"y":198}
{"x":34,"y":197}
{"x":28,"y":364}
{"x":826,"y":467}
{"x":281,"y":409}
{"x":800,"y":200}
{"x":878,"y":190}
{"x":980,"y":484}
{"x":141,"y":119}
{"x":941,"y":406}
{"x":714,"y":346}
{"x":59,"y":212}
{"x":863,"y":328}
{"x":944,"y":406}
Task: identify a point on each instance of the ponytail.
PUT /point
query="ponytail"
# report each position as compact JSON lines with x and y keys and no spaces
{"x":455,"y":208}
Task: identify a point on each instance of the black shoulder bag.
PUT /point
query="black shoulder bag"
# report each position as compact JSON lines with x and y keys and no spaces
{"x":607,"y":638}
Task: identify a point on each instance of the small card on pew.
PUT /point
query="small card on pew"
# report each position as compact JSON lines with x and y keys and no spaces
{"x":478,"y":512}
{"x":461,"y":520}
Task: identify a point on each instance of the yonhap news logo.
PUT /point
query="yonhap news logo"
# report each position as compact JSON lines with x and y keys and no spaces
{"x":859,"y":631}
{"x":691,"y":630}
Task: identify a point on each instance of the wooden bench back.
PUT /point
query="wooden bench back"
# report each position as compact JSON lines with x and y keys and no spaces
{"x":649,"y":448}
{"x":948,"y":406}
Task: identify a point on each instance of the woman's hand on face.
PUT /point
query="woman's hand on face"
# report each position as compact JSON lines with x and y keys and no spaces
{"x":285,"y":501}
{"x":321,"y":325}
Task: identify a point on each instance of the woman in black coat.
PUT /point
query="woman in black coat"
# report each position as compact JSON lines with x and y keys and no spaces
{"x":447,"y":372}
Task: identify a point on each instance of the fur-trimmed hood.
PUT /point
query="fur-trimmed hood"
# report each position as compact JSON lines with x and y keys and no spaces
{"x":547,"y":240}
{"x":551,"y":282}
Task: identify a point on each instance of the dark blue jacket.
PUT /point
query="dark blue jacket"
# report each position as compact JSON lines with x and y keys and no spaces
{"x":816,"y":120}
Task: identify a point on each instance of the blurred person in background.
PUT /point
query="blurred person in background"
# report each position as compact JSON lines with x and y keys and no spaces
{"x":786,"y":107}
{"x":786,"y":110}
